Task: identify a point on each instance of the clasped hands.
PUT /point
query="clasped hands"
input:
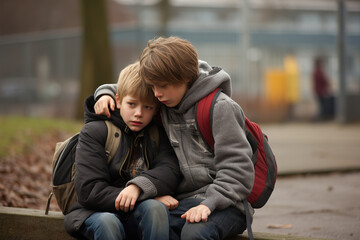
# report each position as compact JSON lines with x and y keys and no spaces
{"x":127,"y":198}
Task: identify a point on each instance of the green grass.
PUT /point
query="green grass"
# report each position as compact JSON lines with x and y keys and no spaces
{"x":16,"y":132}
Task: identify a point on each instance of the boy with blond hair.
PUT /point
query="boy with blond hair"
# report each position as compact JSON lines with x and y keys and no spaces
{"x":113,"y":198}
{"x":212,"y":194}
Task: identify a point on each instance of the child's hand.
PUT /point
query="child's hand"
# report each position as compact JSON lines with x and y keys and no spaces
{"x":126,"y":199}
{"x":197,"y":214}
{"x":103,"y":104}
{"x":169,"y":201}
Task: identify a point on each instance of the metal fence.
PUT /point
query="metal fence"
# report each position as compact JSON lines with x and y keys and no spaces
{"x":40,"y":72}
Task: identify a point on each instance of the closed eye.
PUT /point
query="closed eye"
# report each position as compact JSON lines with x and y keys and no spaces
{"x":149,"y":107}
{"x":131,"y":104}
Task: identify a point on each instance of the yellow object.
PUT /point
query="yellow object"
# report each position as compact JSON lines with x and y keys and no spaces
{"x":275,"y":86}
{"x":292,"y":79}
{"x":282,"y":85}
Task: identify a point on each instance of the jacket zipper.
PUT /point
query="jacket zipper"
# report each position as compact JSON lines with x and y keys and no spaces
{"x":131,"y":150}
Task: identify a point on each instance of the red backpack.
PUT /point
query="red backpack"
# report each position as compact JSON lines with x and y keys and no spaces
{"x":263,"y":157}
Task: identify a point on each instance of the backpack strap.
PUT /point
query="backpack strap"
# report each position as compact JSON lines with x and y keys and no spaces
{"x":248,"y":222}
{"x":112,"y":140}
{"x":47,"y":208}
{"x":204,"y":110}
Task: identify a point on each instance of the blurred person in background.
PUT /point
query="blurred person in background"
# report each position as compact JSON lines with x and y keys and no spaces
{"x":322,"y":90}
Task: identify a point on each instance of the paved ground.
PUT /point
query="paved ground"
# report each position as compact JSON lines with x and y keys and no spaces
{"x":319,"y":147}
{"x":325,"y":205}
{"x":321,"y":206}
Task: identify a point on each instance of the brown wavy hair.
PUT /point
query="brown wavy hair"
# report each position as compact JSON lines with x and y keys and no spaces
{"x":169,"y":60}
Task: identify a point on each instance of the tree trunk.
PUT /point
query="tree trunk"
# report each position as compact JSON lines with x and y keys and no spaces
{"x":96,"y":55}
{"x":164,"y":7}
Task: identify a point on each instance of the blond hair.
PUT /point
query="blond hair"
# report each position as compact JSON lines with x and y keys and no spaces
{"x":172,"y":60}
{"x":130,"y":83}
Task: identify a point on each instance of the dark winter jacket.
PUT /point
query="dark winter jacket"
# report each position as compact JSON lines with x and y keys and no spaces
{"x":97,"y":183}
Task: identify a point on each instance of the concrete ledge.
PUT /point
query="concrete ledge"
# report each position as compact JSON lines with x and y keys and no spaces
{"x":33,"y":224}
{"x":271,"y":236}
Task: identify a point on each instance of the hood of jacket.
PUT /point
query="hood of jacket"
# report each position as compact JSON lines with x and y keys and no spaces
{"x":90,"y":115}
{"x":209,"y":79}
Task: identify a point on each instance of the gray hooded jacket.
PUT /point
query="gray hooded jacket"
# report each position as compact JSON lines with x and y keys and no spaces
{"x":223,"y":177}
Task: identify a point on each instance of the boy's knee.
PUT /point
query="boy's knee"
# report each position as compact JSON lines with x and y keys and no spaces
{"x":158,"y":205}
{"x":153,"y":205}
{"x":107,"y":226}
{"x":152,"y":211}
{"x":108,"y":220}
{"x":197,"y":231}
{"x":156,"y":208}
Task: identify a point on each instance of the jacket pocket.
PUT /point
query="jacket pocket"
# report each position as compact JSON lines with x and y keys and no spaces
{"x":196,"y":177}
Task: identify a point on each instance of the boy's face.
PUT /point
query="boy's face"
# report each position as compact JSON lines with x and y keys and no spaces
{"x":168,"y":94}
{"x":135,"y":113}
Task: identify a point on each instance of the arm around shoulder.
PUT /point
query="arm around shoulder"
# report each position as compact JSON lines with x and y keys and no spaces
{"x":105,"y":89}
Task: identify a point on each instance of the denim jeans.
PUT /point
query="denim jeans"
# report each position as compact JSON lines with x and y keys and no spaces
{"x":149,"y":220}
{"x":220,"y":224}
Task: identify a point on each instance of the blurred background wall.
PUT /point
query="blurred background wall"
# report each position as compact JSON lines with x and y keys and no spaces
{"x":267,"y":46}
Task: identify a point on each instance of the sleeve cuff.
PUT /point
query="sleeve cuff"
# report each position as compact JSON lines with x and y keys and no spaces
{"x":104,"y":90}
{"x":148,"y":188}
{"x":210,"y":204}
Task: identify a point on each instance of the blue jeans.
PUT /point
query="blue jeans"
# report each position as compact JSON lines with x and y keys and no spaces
{"x":220,"y":225}
{"x":149,"y":220}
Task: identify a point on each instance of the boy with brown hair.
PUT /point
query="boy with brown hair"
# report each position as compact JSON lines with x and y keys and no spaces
{"x":113,"y":197}
{"x":216,"y":182}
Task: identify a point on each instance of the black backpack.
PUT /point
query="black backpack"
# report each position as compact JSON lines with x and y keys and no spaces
{"x":63,"y":167}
